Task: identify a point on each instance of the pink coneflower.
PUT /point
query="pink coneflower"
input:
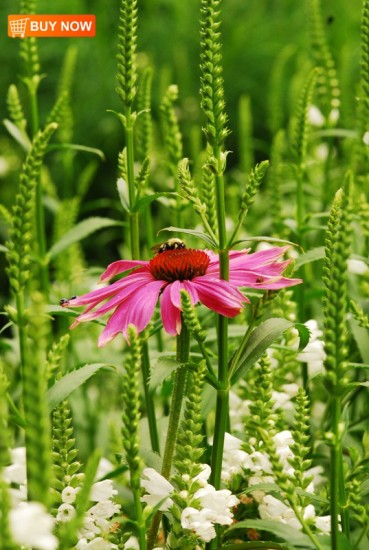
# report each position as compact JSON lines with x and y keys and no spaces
{"x":133,"y":298}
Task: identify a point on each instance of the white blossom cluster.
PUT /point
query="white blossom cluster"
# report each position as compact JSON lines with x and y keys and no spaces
{"x":32,"y":526}
{"x":258,"y":469}
{"x":205,"y":508}
{"x":97,"y":521}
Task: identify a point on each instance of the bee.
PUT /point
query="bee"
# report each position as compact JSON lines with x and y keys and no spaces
{"x":64,"y":301}
{"x":170,"y":244}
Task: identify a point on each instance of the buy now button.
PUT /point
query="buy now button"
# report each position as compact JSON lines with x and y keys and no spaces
{"x":22,"y":26}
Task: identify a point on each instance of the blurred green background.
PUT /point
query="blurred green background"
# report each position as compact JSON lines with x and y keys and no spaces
{"x":254,"y":34}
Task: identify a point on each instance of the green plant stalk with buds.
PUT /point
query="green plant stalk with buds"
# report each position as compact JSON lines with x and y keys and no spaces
{"x":213,"y":106}
{"x":127,"y":76}
{"x":131,"y":418}
{"x":337,"y":251}
{"x":179,"y":385}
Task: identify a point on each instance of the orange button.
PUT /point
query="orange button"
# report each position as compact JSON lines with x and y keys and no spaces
{"x":22,"y":26}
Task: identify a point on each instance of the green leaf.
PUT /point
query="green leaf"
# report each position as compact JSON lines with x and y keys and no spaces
{"x":304,"y":335}
{"x":71,"y":381}
{"x":198,"y":234}
{"x":76,"y":147}
{"x":148,"y":199}
{"x":80,"y":231}
{"x":19,"y":135}
{"x":265,"y":240}
{"x":311,"y":256}
{"x":255,"y":544}
{"x":162,"y":367}
{"x":279,"y":529}
{"x":260,"y":340}
{"x":3,"y":248}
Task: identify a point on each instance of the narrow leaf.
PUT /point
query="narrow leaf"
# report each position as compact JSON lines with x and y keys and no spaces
{"x":80,"y":231}
{"x":203,"y":236}
{"x":279,"y":529}
{"x":144,"y":201}
{"x":310,"y":256}
{"x":19,"y":136}
{"x":259,"y":341}
{"x":76,"y":147}
{"x":71,"y":381}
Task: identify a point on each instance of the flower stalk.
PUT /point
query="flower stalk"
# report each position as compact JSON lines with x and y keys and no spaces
{"x":127,"y":76}
{"x":179,"y":384}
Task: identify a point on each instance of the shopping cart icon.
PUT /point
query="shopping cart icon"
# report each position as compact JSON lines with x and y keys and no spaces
{"x":18,"y":27}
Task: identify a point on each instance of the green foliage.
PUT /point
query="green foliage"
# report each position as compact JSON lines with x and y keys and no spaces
{"x":170,"y":128}
{"x":143,"y":133}
{"x":21,"y":234}
{"x":127,"y":44}
{"x":212,"y":93}
{"x":301,"y":129}
{"x":327,"y":81}
{"x":301,"y":436}
{"x":65,"y":464}
{"x":15,"y":108}
{"x":35,"y":406}
{"x":337,"y":252}
{"x":131,"y":408}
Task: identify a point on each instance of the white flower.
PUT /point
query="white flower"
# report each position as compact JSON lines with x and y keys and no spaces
{"x":314,"y":353}
{"x":238,"y":409}
{"x":96,"y":544}
{"x":16,"y":472}
{"x":31,"y":525}
{"x":366,"y":138}
{"x":273,"y":509}
{"x":204,"y":475}
{"x":323,"y":524}
{"x":198,"y":522}
{"x":157,"y":488}
{"x":65,"y":512}
{"x":89,"y":529}
{"x":104,"y":509}
{"x":282,"y":399}
{"x":315,"y":116}
{"x":104,"y":468}
{"x":131,"y":544}
{"x":102,"y":490}
{"x":357,"y":267}
{"x":69,"y":494}
{"x":234,"y":459}
{"x":217,"y":503}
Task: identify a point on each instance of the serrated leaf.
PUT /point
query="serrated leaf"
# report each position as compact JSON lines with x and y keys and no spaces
{"x":19,"y":135}
{"x":198,"y":234}
{"x":148,"y":199}
{"x":279,"y":529}
{"x":162,"y":366}
{"x":260,"y":340}
{"x":79,"y":232}
{"x":312,"y":255}
{"x":73,"y":380}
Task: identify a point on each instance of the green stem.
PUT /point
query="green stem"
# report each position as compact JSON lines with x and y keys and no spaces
{"x":183,"y":350}
{"x":32,"y":88}
{"x":140,"y":520}
{"x":335,"y":471}
{"x":135,"y":253}
{"x":148,"y":398}
{"x":222,"y":403}
{"x":41,"y":238}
